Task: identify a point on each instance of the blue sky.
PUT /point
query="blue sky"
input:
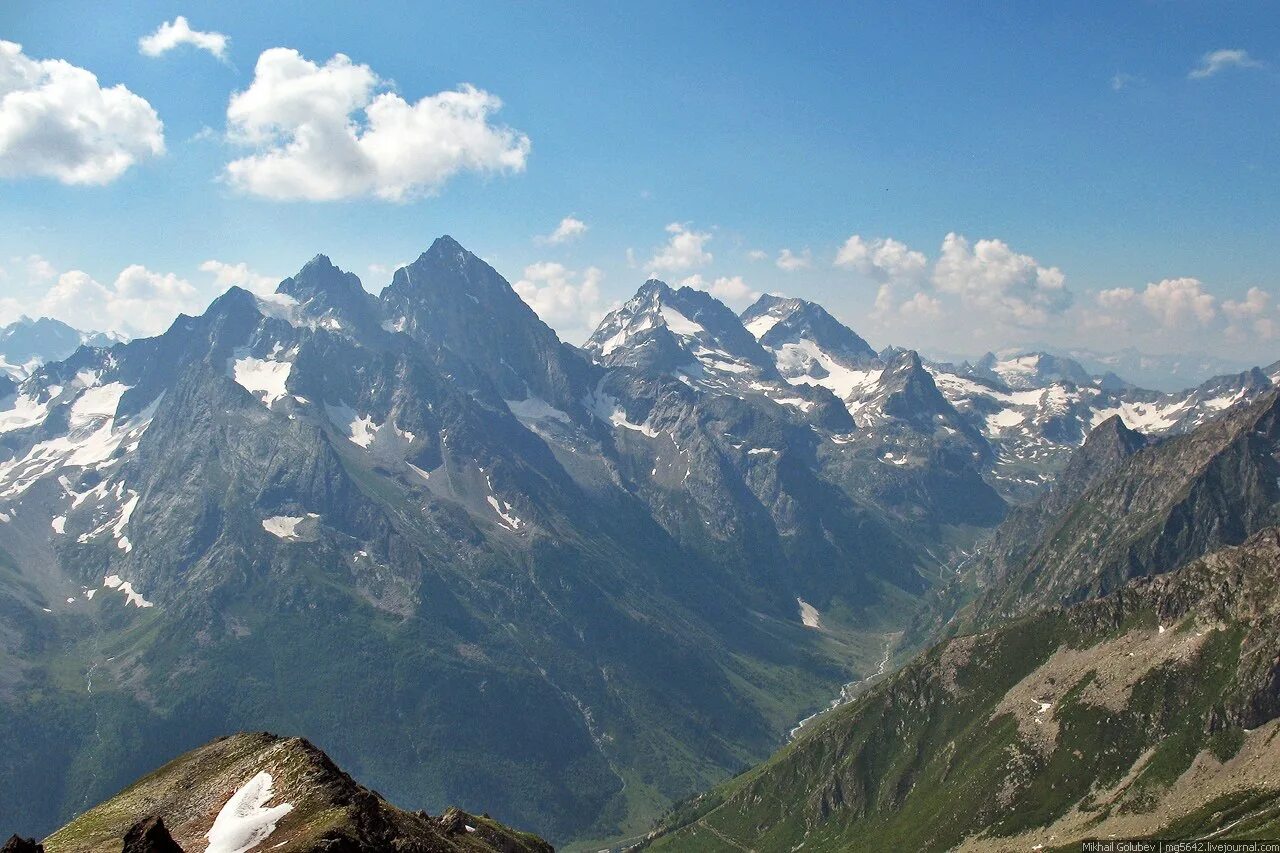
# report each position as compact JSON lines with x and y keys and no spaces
{"x":1124,"y":197}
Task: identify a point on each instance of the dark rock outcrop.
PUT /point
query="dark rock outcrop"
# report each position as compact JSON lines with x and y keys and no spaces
{"x":149,"y":835}
{"x":18,"y":844}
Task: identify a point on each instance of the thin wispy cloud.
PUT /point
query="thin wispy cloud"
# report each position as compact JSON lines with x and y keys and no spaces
{"x":1122,"y":81}
{"x":1216,"y":61}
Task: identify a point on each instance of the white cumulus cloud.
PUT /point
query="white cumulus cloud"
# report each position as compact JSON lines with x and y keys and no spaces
{"x":568,"y":302}
{"x":899,"y":269}
{"x":684,"y":250}
{"x":790,"y":261}
{"x":172,"y":34}
{"x":326,"y":132}
{"x":731,"y":290}
{"x":138,"y":302}
{"x":1169,"y":305}
{"x":1217,"y":61}
{"x":883,"y":259}
{"x":1179,"y":302}
{"x":990,"y":276}
{"x":57,"y":121}
{"x":226,"y":275}
{"x":1252,"y":316}
{"x":570,"y":228}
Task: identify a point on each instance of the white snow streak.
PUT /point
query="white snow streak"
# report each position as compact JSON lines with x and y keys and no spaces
{"x":246,"y":821}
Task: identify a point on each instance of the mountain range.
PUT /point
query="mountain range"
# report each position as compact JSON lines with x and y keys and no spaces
{"x":571,"y":586}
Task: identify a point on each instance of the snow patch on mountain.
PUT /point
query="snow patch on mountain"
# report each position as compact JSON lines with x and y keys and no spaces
{"x":285,"y":526}
{"x":796,"y":362}
{"x":605,"y":407}
{"x":760,"y":326}
{"x":678,"y":323}
{"x":125,"y":588}
{"x":503,"y":509}
{"x":265,"y":378}
{"x":536,"y":409}
{"x":359,"y":429}
{"x":23,"y":411}
{"x":1145,"y":417}
{"x":93,"y":438}
{"x":246,"y":821}
{"x":809,"y":615}
{"x":96,"y":403}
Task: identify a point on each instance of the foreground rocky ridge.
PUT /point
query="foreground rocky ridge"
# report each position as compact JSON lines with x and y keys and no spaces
{"x":258,"y":789}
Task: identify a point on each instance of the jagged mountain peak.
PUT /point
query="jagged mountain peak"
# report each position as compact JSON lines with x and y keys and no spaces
{"x":27,"y":343}
{"x":445,"y":246}
{"x":232,"y":300}
{"x":452,"y":299}
{"x":330,"y":297}
{"x":1104,"y":449}
{"x":450,"y":277}
{"x":653,"y":287}
{"x":1022,"y":370}
{"x":777,"y":321}
{"x":770,"y":301}
{"x":321,"y":278}
{"x":668,"y":330}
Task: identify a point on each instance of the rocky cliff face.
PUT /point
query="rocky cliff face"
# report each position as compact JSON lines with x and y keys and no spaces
{"x":1127,"y":507}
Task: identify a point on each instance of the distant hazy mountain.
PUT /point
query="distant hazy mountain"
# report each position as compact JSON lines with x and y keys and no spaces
{"x":1159,"y":372}
{"x":1162,"y":372}
{"x":26,"y":344}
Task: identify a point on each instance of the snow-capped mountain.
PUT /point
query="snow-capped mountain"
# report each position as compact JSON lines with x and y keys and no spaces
{"x":1024,"y":413}
{"x":683,"y":331}
{"x":486,"y":536}
{"x":518,"y":556}
{"x":811,"y":345}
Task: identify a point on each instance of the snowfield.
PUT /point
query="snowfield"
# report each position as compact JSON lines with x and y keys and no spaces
{"x":809,"y":614}
{"x":263,"y":378}
{"x":246,"y":821}
{"x":285,"y":526}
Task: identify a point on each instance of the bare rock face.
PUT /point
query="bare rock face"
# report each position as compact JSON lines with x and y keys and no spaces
{"x":18,"y":844}
{"x":150,"y":835}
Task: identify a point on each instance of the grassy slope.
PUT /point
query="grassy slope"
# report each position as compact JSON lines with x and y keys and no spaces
{"x":937,"y":754}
